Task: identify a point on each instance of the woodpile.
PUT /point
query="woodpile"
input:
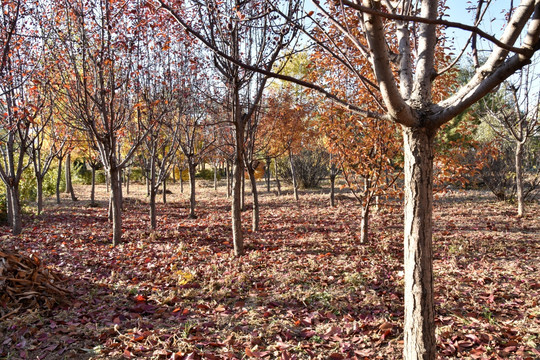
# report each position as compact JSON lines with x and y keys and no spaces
{"x":25,"y":283}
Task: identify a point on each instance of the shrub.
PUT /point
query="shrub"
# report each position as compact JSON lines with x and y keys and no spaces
{"x":310,"y":166}
{"x":207,"y":174}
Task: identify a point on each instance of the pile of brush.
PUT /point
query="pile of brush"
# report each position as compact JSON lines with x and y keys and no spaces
{"x":25,"y":283}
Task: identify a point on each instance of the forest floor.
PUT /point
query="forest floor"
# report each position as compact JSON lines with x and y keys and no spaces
{"x":306,"y":288}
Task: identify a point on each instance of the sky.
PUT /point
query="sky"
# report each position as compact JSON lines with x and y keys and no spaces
{"x":463,"y":11}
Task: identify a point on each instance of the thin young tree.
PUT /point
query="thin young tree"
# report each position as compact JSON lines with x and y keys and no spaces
{"x":96,"y":63}
{"x":242,"y":31}
{"x":21,"y":102}
{"x":516,"y":120}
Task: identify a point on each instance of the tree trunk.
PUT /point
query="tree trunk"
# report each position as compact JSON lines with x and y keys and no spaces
{"x":267,"y":173}
{"x":519,"y":177}
{"x":215,"y":177}
{"x":58,"y":180}
{"x":364,"y":225}
{"x":228,"y":174}
{"x":293,"y":175}
{"x":9,"y":207}
{"x":243,"y":196}
{"x":93,"y":188}
{"x":238,"y":240}
{"x":153,"y":221}
{"x":278,"y":184}
{"x":332,"y":190}
{"x":165,"y":190}
{"x":191,"y":169}
{"x":419,"y":326}
{"x":69,"y":185}
{"x":128,"y":175}
{"x":39,"y":196}
{"x":16,"y":222}
{"x":116,"y":205}
{"x":254,"y":193}
{"x":181,"y":181}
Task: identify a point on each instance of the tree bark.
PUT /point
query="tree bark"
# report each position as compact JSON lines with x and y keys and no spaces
{"x":215,"y":177}
{"x":16,"y":222}
{"x":9,"y":206}
{"x":128,"y":175}
{"x":116,"y":205}
{"x":165,"y":190}
{"x":228,"y":174}
{"x":181,"y":181}
{"x":93,"y":188}
{"x":293,"y":175}
{"x":58,"y":180}
{"x":243,"y":196}
{"x":419,"y":326}
{"x":153,"y":221}
{"x":278,"y":184}
{"x":191,"y":169}
{"x":267,"y":174}
{"x":519,"y":177}
{"x":39,"y":196}
{"x":332,"y":190}
{"x":254,"y":193}
{"x":69,"y":185}
{"x":364,"y":225}
{"x":238,"y":240}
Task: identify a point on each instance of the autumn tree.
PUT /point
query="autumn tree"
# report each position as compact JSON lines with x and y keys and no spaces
{"x":47,"y":144}
{"x":20,"y":99}
{"x":399,"y":42}
{"x":97,"y":57}
{"x":242,"y":31}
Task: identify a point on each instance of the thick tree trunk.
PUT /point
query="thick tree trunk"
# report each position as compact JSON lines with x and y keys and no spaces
{"x":293,"y":175}
{"x":69,"y":185}
{"x":39,"y":196}
{"x":419,"y":326}
{"x":278,"y":184}
{"x":16,"y":222}
{"x":254,"y":193}
{"x":191,"y":169}
{"x":116,"y":206}
{"x":58,"y":180}
{"x":93,"y":188}
{"x":519,"y":178}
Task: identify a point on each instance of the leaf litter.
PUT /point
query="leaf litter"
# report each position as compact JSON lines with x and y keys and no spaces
{"x":306,"y":288}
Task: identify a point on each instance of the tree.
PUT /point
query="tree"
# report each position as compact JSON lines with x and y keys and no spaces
{"x":242,"y":30}
{"x":20,"y":99}
{"x":516,"y":119}
{"x":45,"y":130}
{"x":96,"y":61}
{"x":399,"y":42}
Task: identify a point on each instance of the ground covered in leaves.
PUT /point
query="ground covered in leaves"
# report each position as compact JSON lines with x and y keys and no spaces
{"x":305,"y":289}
